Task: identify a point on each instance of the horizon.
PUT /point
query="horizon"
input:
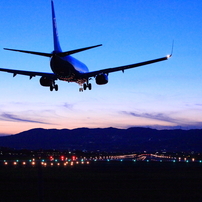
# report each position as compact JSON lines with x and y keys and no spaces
{"x":145,"y":127}
{"x":166,"y":94}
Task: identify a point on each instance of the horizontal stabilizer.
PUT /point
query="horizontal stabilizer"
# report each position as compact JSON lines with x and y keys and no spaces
{"x":31,"y":52}
{"x":60,"y":54}
{"x":63,"y":54}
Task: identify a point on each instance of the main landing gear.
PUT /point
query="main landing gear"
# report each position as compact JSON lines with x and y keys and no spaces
{"x":85,"y":86}
{"x":53,"y":86}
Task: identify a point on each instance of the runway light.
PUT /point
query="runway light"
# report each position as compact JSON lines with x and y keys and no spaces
{"x":51,"y":158}
{"x":23,"y":163}
{"x":33,"y":163}
{"x":62,"y":158}
{"x":5,"y":163}
{"x":14,"y":163}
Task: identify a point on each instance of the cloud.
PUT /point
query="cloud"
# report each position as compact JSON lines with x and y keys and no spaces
{"x":179,"y":123}
{"x":157,"y":116}
{"x":12,"y":117}
{"x":199,"y":105}
{"x":68,"y":106}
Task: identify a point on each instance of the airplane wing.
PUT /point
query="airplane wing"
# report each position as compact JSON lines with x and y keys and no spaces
{"x":122,"y":68}
{"x":29,"y":73}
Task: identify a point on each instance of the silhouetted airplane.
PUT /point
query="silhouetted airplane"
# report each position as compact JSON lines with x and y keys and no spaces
{"x":67,"y":68}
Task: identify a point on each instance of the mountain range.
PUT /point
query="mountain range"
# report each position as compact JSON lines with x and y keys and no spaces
{"x":107,"y":139}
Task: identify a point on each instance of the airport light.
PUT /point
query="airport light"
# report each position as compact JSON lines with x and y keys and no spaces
{"x":62,"y":158}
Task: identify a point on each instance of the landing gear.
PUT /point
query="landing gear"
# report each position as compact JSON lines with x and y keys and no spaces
{"x":80,"y":89}
{"x":87,"y":85}
{"x":53,"y":86}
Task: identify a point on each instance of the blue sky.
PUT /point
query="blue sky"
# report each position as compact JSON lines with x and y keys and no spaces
{"x":162,"y":95}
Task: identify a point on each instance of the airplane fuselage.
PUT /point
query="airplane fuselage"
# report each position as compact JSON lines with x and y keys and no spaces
{"x":68,"y":68}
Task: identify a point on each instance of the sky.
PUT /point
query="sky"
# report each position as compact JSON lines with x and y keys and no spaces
{"x":163,"y":95}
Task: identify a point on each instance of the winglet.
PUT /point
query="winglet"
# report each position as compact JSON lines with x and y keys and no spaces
{"x":169,"y":56}
{"x":57,"y":47}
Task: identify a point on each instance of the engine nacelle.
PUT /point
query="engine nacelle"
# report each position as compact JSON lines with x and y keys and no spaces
{"x":44,"y":81}
{"x":101,"y":79}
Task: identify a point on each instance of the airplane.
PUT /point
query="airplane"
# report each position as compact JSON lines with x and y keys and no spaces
{"x":67,"y":68}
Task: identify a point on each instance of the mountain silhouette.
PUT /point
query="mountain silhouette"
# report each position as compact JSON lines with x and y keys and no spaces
{"x":106,"y":139}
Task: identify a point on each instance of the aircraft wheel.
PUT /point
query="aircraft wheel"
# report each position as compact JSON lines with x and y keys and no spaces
{"x":51,"y":88}
{"x":89,"y":86}
{"x":84,"y":86}
{"x":56,"y":87}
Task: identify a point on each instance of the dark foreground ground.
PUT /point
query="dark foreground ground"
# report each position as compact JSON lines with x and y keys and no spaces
{"x":103,"y":181}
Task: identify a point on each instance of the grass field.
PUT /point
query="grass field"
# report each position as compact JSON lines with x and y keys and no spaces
{"x":103,"y":181}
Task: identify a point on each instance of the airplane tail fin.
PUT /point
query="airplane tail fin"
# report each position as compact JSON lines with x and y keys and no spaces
{"x":57,"y":48}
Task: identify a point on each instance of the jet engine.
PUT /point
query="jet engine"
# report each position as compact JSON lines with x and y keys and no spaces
{"x":101,"y":79}
{"x":44,"y":81}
